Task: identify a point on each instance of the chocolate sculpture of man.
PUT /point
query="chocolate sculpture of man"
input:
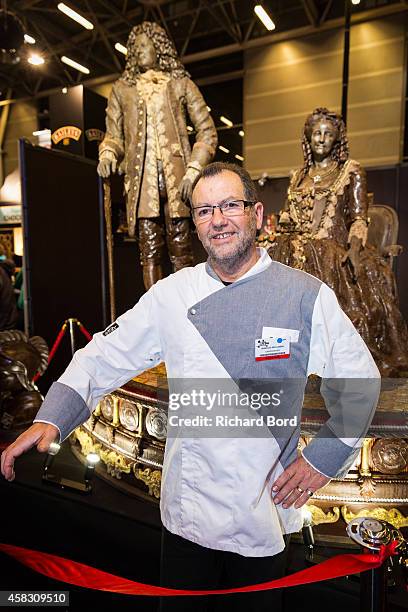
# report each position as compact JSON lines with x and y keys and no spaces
{"x":147,"y":139}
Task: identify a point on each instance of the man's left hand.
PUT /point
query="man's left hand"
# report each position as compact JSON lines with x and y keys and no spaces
{"x":297,"y":483}
{"x":185,"y":188}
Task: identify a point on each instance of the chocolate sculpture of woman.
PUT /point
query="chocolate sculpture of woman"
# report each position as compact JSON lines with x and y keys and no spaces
{"x":323,"y":230}
{"x":147,"y":139}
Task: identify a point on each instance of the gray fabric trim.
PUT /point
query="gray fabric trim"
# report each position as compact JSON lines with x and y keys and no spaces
{"x":211,"y":272}
{"x":277,"y":296}
{"x":64,"y":408}
{"x":328,"y":454}
{"x":229,"y":320}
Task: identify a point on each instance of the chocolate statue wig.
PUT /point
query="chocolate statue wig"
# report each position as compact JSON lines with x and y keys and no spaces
{"x":167,"y":57}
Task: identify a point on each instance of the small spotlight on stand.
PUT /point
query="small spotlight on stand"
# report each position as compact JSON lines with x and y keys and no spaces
{"x":307,"y":533}
{"x":49,"y":460}
{"x":92,"y":459}
{"x":308,"y":538}
{"x":55,"y":479}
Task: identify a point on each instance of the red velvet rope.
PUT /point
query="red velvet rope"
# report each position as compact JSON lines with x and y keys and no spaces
{"x":54,"y":348}
{"x":87,"y":577}
{"x":84,"y":331}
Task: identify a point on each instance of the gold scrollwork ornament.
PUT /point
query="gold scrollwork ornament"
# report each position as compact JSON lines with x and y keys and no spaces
{"x":87,"y":443}
{"x":151,"y":478}
{"x":319,"y":516}
{"x":116,"y":465}
{"x":391,"y":515}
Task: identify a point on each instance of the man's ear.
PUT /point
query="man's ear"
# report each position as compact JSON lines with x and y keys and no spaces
{"x":259,"y":211}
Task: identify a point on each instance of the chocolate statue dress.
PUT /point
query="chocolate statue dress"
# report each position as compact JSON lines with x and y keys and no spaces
{"x":316,"y":227}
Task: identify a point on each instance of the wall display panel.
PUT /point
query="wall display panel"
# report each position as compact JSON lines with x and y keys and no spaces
{"x":64,"y":254}
{"x":376,"y":91}
{"x":284,"y":81}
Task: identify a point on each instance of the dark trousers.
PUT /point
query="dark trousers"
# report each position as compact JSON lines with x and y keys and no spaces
{"x":186,"y":565}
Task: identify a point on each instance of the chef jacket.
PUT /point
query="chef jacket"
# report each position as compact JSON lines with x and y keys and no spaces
{"x":216,"y":491}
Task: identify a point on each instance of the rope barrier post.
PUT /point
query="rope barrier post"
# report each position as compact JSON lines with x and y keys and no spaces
{"x":71,"y":323}
{"x":372,"y":534}
{"x":373,"y":590}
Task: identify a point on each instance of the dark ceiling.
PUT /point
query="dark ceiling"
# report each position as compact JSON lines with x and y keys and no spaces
{"x":196,"y":26}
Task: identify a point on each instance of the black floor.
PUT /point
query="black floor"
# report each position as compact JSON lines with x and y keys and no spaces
{"x":121,"y":535}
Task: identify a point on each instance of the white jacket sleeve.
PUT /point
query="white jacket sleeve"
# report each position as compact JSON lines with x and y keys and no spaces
{"x":350,"y":386}
{"x":126,"y":348}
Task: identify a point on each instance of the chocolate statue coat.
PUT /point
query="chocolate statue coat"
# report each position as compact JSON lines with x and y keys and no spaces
{"x":128,"y":134}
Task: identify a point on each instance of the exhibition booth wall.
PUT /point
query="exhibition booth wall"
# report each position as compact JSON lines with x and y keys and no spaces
{"x":285,"y":81}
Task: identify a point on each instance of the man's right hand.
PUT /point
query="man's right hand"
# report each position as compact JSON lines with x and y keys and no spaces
{"x":107,"y":164}
{"x":39,"y":434}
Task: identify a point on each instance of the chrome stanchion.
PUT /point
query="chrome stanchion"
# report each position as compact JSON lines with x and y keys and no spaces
{"x":372,"y":534}
{"x":71,"y":323}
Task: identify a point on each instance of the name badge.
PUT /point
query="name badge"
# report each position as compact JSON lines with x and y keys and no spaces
{"x":271,"y":348}
{"x":280,"y":332}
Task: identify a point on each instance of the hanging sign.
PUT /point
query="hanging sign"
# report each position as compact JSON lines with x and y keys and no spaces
{"x":10,"y":215}
{"x":95,"y":134}
{"x":65,"y":134}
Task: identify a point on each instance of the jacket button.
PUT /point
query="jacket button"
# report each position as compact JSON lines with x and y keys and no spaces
{"x":193,"y":311}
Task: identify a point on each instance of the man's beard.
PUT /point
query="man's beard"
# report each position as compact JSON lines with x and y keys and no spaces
{"x":232,"y":261}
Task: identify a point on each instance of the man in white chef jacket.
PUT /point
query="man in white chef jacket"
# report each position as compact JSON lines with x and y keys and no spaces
{"x":229,"y":501}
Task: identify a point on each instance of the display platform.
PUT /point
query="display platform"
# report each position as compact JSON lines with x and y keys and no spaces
{"x":128,"y":431}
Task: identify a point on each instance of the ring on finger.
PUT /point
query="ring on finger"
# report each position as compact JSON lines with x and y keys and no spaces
{"x":300,"y":490}
{"x":309,"y":492}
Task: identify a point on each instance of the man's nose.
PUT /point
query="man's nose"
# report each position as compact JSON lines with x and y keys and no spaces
{"x":218,"y":218}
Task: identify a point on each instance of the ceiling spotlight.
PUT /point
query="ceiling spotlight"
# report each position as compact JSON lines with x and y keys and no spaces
{"x":224,"y":149}
{"x":35,"y":59}
{"x":29,"y":39}
{"x":355,"y":1}
{"x":73,"y":64}
{"x":121,"y":48}
{"x":75,"y":16}
{"x":264,"y":17}
{"x":239,"y":157}
{"x":64,"y":90}
{"x":241,"y":133}
{"x":227,"y":122}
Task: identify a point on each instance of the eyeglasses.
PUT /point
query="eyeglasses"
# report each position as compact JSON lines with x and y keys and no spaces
{"x":235,"y":208}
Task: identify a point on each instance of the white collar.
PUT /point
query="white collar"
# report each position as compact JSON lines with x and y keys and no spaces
{"x":263,"y":262}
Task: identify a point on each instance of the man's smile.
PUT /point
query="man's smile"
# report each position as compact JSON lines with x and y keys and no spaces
{"x":222,"y":236}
